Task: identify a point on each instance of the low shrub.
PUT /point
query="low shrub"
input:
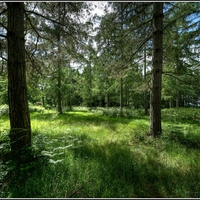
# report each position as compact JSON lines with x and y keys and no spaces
{"x":4,"y":109}
{"x":33,"y":108}
{"x":116,"y":112}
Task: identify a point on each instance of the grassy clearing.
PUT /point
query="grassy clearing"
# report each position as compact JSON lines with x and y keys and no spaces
{"x":96,"y":154}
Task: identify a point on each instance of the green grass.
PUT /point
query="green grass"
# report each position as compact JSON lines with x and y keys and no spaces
{"x":97,"y":154}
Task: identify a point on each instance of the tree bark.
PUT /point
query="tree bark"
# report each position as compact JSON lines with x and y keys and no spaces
{"x":90,"y":84}
{"x":122,"y":61}
{"x":121,"y":97}
{"x":59,"y":89}
{"x":145,"y":80}
{"x":171,"y":103}
{"x":156,"y":77}
{"x":127,"y":96}
{"x":177,"y":96}
{"x":59,"y":67}
{"x":107,"y":100}
{"x":20,"y":128}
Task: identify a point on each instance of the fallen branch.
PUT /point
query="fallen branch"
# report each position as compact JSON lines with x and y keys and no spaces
{"x":77,"y":190}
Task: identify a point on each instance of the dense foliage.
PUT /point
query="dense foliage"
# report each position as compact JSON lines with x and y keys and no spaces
{"x":97,"y":58}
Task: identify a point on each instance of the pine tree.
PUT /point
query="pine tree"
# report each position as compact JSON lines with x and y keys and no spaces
{"x":156,"y":77}
{"x":20,"y":128}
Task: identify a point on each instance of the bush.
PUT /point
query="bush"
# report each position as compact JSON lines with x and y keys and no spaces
{"x":48,"y":107}
{"x":116,"y":112}
{"x":4,"y":109}
{"x":33,"y":108}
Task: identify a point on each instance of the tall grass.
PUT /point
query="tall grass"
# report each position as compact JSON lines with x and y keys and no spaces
{"x":97,"y":154}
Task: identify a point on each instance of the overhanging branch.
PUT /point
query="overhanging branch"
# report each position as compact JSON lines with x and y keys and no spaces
{"x":183,"y":81}
{"x":4,"y":36}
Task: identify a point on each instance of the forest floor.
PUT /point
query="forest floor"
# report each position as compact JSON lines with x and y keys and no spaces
{"x":97,"y":154}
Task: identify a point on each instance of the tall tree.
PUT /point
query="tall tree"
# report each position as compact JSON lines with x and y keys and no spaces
{"x":20,"y":128}
{"x":59,"y":61}
{"x":181,"y":59}
{"x":156,"y":77}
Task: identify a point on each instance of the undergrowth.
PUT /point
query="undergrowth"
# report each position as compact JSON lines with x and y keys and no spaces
{"x":98,"y":154}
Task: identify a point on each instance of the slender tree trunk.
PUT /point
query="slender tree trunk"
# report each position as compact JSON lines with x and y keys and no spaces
{"x":145,"y":80}
{"x":43,"y":101}
{"x":156,"y":78}
{"x":59,"y":87}
{"x":90,"y":85}
{"x":59,"y":68}
{"x":177,"y":100}
{"x":177,"y":96}
{"x":88,"y":76}
{"x":20,"y":132}
{"x":59,"y":90}
{"x":69,"y":95}
{"x":69,"y":102}
{"x":122,"y":61}
{"x":171,"y":103}
{"x":121,"y":97}
{"x":127,"y":96}
{"x":107,"y":100}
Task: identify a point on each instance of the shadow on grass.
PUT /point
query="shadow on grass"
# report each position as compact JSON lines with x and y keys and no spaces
{"x":114,"y":170}
{"x":17,"y":168}
{"x":190,"y":141}
{"x":122,"y":173}
{"x":78,"y":118}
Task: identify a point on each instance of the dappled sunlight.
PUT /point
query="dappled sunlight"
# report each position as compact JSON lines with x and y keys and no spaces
{"x":112,"y":157}
{"x":4,"y":123}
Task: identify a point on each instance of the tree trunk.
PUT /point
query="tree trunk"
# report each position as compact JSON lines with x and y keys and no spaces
{"x":156,"y":77}
{"x":59,"y":66}
{"x":107,"y":100}
{"x":59,"y":89}
{"x":69,"y":102}
{"x":20,"y":132}
{"x":145,"y":80}
{"x":127,"y":96}
{"x":177,"y":100}
{"x":121,"y":97}
{"x":43,"y":101}
{"x":171,"y":103}
{"x":59,"y":81}
{"x":122,"y":61}
{"x":90,"y":85}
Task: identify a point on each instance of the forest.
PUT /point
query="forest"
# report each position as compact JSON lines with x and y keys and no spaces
{"x":99,"y":99}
